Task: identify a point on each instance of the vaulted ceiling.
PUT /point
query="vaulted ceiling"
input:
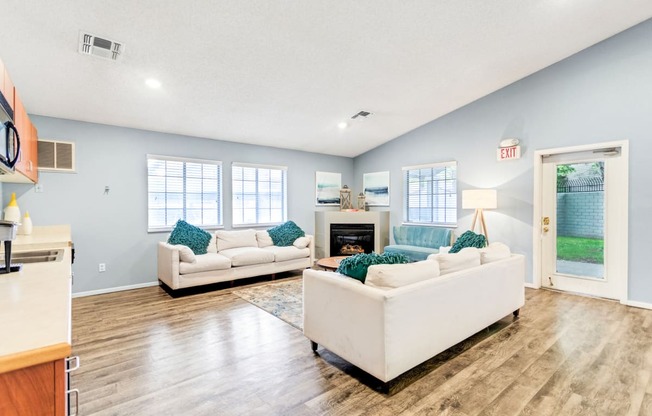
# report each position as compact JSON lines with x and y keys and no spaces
{"x":286,"y":73}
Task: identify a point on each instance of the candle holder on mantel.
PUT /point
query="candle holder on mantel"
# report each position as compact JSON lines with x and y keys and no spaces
{"x":345,"y":198}
{"x":362,"y":199}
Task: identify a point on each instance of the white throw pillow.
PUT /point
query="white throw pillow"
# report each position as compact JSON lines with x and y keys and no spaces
{"x":494,"y":252}
{"x":264,"y":240}
{"x":236,"y":239}
{"x":389,"y":276}
{"x":453,"y":262}
{"x":185,"y":254}
{"x":301,"y":242}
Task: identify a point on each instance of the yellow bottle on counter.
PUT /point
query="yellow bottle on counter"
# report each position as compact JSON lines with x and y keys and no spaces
{"x":26,"y":226}
{"x":12,"y":212}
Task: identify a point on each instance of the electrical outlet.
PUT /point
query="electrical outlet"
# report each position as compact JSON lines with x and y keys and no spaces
{"x":102,"y":267}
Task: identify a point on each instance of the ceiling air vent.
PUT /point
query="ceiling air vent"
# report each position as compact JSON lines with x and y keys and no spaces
{"x":363,"y":114}
{"x":90,"y":44}
{"x":56,"y":156}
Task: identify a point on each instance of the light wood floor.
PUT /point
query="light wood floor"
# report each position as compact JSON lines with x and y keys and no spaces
{"x":145,"y":353}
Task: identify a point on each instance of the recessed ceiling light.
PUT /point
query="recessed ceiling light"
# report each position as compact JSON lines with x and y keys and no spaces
{"x":153,"y":83}
{"x":343,"y":125}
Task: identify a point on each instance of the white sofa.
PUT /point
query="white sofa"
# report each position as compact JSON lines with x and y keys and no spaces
{"x":386,"y":332}
{"x":232,"y":254}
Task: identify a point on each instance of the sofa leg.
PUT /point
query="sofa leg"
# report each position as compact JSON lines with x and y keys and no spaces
{"x":313,"y":346}
{"x":273,"y":276}
{"x":516,"y":313}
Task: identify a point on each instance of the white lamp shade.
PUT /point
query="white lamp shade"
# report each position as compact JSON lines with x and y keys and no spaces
{"x":479,"y":198}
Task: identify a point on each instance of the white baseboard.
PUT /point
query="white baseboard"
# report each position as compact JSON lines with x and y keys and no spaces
{"x":531,"y":285}
{"x":113,"y":289}
{"x":643,"y":305}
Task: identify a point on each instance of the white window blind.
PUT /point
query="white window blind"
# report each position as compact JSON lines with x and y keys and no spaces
{"x":430,"y":194}
{"x":187,"y":189}
{"x":259,"y":194}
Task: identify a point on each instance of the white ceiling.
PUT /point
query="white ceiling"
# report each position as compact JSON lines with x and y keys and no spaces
{"x":285,"y":73}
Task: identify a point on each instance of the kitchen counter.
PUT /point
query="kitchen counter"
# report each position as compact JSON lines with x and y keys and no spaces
{"x":43,"y":237}
{"x":35,"y":303}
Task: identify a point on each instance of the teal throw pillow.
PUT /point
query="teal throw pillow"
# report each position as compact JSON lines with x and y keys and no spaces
{"x":469,"y":239}
{"x":191,"y":236}
{"x":356,"y":266}
{"x":284,"y":235}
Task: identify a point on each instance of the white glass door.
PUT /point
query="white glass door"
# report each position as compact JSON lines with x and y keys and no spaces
{"x":581,"y":211}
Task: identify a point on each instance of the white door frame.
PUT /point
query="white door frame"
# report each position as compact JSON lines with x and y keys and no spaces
{"x":537,"y":210}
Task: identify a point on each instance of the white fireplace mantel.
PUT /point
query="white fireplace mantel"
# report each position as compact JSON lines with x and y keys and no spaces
{"x":324,"y":219}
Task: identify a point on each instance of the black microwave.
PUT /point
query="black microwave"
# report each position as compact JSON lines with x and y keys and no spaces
{"x":9,"y":138}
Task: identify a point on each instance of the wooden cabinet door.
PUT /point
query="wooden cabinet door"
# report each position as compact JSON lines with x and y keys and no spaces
{"x":6,"y":86}
{"x":27,"y":162}
{"x":36,"y":390}
{"x":33,"y":154}
{"x":21,"y":122}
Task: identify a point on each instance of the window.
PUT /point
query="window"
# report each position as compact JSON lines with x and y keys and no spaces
{"x":430,"y":194}
{"x":186,"y":189}
{"x":259,"y":194}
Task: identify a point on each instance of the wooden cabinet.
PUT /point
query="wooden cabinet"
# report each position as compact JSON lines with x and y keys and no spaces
{"x":35,"y":390}
{"x":28,"y":161}
{"x":6,"y":86}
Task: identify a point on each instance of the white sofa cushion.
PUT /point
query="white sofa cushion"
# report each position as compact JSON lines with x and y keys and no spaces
{"x":204,"y":263}
{"x":301,"y":242}
{"x":245,"y":256}
{"x":264,"y":240}
{"x":390,"y":276}
{"x":453,"y":262}
{"x":288,"y":253}
{"x":186,"y":255}
{"x":234,"y":239}
{"x":212,"y":245}
{"x":494,"y":252}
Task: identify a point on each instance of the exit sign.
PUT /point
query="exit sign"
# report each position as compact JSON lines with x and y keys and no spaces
{"x":508,"y":153}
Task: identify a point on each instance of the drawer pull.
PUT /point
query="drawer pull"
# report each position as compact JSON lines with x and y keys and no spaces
{"x":75,"y":366}
{"x":76,"y":406}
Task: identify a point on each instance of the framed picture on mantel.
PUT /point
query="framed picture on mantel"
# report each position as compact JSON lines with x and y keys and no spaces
{"x":327,"y":188}
{"x":376,"y":188}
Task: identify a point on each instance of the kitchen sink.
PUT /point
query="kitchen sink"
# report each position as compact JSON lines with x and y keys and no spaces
{"x":37,"y":256}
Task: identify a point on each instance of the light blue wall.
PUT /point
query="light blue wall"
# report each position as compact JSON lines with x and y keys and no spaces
{"x":601,"y":94}
{"x":112,"y":228}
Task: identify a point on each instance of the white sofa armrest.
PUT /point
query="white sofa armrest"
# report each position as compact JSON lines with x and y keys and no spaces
{"x":168,"y":264}
{"x":311,"y":246}
{"x":345,"y":317}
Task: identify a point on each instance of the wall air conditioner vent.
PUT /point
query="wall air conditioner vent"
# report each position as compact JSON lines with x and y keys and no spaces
{"x":90,"y":44}
{"x":56,"y":156}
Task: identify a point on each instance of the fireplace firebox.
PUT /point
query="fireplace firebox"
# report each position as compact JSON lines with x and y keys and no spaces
{"x":349,"y":239}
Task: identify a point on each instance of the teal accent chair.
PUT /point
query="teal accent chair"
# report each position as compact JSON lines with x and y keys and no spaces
{"x":418,"y":242}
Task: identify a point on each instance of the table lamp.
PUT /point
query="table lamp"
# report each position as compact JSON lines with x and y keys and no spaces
{"x":480,"y":199}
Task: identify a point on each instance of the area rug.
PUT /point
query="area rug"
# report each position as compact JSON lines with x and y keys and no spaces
{"x":283,"y":299}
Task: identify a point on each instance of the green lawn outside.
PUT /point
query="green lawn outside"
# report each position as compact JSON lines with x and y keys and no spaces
{"x":586,"y":250}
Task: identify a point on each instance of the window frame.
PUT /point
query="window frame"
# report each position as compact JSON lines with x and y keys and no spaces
{"x":406,"y":195}
{"x":257,"y":166}
{"x":220,"y":191}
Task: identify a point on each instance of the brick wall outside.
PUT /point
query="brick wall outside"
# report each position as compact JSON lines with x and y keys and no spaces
{"x":580,"y":214}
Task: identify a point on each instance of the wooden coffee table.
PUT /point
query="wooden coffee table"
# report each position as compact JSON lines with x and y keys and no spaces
{"x":330,"y":263}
